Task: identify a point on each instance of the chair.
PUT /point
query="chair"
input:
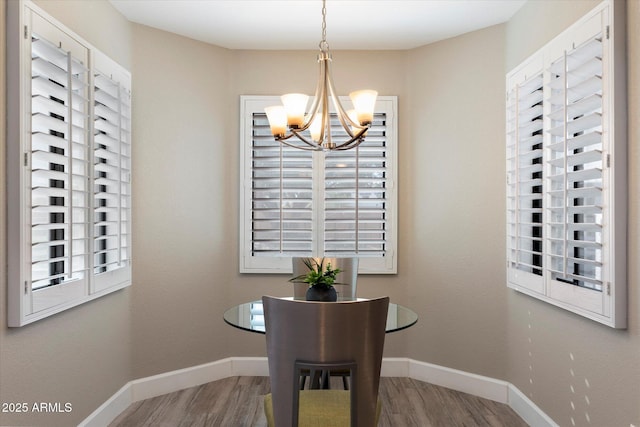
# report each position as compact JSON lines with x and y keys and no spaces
{"x":347,"y":278}
{"x":305,"y":335}
{"x":346,"y":289}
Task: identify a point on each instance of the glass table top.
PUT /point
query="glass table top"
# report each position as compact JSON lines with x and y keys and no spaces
{"x":249,"y":316}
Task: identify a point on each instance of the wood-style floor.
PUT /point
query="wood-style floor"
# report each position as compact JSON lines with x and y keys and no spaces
{"x":237,"y":402}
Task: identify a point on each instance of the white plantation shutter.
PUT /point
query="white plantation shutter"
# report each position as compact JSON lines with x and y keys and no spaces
{"x":58,"y":166}
{"x":524,"y":181}
{"x":355,"y":197}
{"x":111,"y":174}
{"x":303,"y":203}
{"x":576,"y":165}
{"x":56,"y":183}
{"x":565,"y":189}
{"x":281,"y":195}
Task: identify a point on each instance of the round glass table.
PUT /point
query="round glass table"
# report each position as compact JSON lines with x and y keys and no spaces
{"x":249,"y":316}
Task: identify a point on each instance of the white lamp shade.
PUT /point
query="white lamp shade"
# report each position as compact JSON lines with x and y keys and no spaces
{"x":295,"y":104}
{"x":316,"y":127}
{"x":364,"y":102}
{"x":277,"y":117}
{"x":353,"y":115}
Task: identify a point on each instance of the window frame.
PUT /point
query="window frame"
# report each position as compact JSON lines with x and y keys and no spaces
{"x":606,"y":305}
{"x":26,"y":304}
{"x":250,"y":104}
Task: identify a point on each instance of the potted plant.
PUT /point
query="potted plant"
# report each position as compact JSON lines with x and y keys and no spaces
{"x":320,"y":278}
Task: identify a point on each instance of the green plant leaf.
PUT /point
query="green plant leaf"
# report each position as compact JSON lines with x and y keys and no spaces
{"x":318,"y":275}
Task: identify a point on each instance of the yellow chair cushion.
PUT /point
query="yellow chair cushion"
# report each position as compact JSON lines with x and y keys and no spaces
{"x":320,"y":408}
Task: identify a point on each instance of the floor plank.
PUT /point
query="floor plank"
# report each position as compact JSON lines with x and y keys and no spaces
{"x":237,"y":402}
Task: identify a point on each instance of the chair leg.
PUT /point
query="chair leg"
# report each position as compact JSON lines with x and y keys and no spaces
{"x":303,"y":380}
{"x":325,"y":379}
{"x":315,"y":379}
{"x":321,"y":380}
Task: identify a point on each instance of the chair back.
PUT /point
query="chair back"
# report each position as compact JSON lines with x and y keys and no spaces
{"x":346,"y":280}
{"x":325,"y":333}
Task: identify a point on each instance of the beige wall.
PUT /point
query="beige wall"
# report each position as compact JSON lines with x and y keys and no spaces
{"x":184,"y":180}
{"x":186,"y":187}
{"x":453,"y":202}
{"x":451,"y":224}
{"x":81,"y":356}
{"x":186,"y":275}
{"x":579,"y":372}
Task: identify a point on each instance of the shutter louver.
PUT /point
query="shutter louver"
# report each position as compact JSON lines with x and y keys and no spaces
{"x":112,"y":171}
{"x":282,"y":195}
{"x":575,"y":165}
{"x":524,"y":163}
{"x":59,"y":165}
{"x":355,"y":196}
{"x":256,"y":318}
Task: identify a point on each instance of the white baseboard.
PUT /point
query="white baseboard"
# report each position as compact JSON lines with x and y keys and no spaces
{"x":478,"y":385}
{"x":528,"y":410}
{"x":110,"y":409}
{"x":169,"y":382}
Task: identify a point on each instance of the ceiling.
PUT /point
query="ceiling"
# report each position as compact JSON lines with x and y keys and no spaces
{"x":297,"y":24}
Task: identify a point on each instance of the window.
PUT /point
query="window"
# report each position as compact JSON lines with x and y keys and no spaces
{"x":566,"y":172}
{"x":69,"y":168}
{"x":303,"y":203}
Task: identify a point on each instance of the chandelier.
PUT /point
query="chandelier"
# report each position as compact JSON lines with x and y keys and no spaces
{"x":294,"y":117}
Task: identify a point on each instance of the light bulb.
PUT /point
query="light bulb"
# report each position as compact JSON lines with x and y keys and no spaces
{"x":316,"y":127}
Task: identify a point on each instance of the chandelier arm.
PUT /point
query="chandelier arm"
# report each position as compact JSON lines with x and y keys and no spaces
{"x":325,"y":136}
{"x":300,"y":147}
{"x":336,"y":101}
{"x":310,"y":143}
{"x":321,"y":99}
{"x":342,"y":148}
{"x":315,"y":106}
{"x":359,"y":137}
{"x":283,"y":139}
{"x":341,"y":117}
{"x":344,"y":118}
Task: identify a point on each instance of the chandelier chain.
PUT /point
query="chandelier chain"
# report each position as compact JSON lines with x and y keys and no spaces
{"x":324,"y":45}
